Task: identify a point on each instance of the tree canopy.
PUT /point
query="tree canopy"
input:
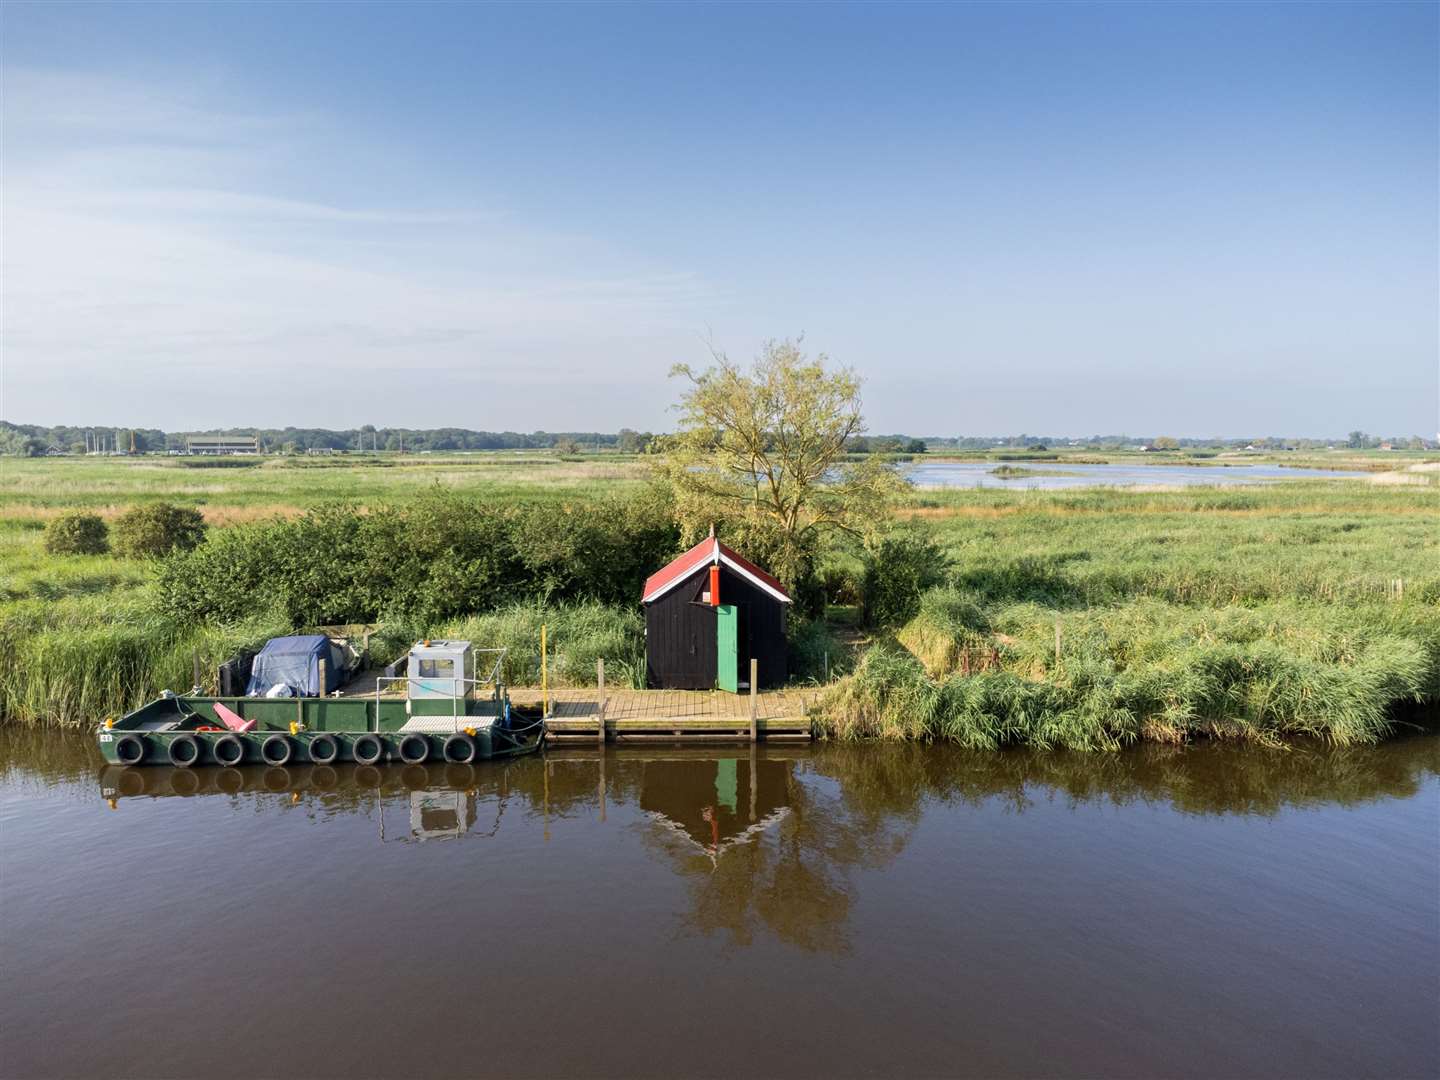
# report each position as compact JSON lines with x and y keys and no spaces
{"x":763,"y":450}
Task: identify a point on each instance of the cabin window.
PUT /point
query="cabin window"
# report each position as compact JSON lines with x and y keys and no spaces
{"x":437,"y":669}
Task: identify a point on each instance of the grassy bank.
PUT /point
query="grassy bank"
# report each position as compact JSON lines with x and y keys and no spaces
{"x":1308,"y":608}
{"x":1095,"y":618}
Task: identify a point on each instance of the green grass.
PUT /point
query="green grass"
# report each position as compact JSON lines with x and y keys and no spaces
{"x":31,"y":488}
{"x":1304,"y":608}
{"x":1265,"y":613}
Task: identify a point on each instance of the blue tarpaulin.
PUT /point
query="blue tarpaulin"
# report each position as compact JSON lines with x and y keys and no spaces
{"x":295,"y":662}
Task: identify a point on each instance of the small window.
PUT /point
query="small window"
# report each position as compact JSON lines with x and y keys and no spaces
{"x":437,"y":669}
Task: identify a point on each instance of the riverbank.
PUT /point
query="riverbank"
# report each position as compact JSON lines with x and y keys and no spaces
{"x":1089,"y":619}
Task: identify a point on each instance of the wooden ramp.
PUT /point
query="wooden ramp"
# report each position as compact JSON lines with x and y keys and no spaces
{"x":576,"y":715}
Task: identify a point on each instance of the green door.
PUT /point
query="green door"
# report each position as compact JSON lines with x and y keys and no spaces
{"x":727,"y":648}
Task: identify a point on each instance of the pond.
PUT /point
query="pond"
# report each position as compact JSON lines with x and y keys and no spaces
{"x":856,"y":910}
{"x":1055,"y":475}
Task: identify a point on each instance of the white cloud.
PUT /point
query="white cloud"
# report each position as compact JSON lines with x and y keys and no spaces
{"x":153,"y":256}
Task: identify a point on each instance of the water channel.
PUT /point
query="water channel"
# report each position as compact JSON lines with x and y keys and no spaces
{"x":876,"y":910}
{"x":1059,"y":475}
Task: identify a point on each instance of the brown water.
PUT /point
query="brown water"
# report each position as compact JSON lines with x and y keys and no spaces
{"x":850,"y":911}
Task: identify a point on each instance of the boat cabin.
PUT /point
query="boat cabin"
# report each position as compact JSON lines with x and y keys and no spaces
{"x":707,"y":615}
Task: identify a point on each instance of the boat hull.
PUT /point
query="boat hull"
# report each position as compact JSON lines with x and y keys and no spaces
{"x":317,"y":731}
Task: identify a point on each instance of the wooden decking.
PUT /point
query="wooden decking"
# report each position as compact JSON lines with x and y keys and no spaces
{"x":670,"y":715}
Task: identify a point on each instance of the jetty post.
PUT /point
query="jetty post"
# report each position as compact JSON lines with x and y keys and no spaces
{"x":754,"y":698}
{"x":600,"y":703}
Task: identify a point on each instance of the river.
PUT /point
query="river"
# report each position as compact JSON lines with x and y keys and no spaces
{"x":877,"y":910}
{"x":1060,"y":475}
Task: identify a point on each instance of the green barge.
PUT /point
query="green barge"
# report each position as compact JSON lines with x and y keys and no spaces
{"x":437,"y":711}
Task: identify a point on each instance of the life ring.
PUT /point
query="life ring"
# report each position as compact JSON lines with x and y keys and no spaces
{"x":460,"y":749}
{"x":368,"y":749}
{"x":414,"y":749}
{"x":130,"y":750}
{"x":228,"y":750}
{"x":276,"y":750}
{"x":324,"y":749}
{"x":184,"y":751}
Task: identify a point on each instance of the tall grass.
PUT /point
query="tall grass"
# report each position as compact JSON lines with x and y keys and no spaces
{"x":86,"y":658}
{"x":1308,"y":608}
{"x":1150,"y":670}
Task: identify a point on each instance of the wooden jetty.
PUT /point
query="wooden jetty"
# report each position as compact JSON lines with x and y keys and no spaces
{"x":596,"y":715}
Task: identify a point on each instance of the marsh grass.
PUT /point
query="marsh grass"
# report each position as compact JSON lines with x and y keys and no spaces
{"x":1150,"y":670}
{"x":1308,"y":608}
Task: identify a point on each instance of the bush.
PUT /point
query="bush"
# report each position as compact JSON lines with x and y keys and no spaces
{"x":77,"y":534}
{"x":814,"y":652}
{"x":157,"y":529}
{"x":441,"y":557}
{"x":897,"y":571}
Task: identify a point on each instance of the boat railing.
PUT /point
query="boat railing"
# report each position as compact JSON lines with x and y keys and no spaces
{"x":460,"y":688}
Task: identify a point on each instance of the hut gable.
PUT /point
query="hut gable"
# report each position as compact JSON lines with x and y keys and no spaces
{"x":709,"y":551}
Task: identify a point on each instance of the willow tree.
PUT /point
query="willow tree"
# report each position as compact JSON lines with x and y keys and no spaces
{"x":761,"y":451}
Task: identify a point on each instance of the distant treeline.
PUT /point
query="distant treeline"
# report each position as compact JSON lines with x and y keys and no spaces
{"x":35,"y":440}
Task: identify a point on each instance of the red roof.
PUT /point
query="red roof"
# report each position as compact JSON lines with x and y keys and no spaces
{"x":708,"y":551}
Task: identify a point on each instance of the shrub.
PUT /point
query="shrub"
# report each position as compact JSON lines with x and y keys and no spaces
{"x":77,"y":534}
{"x":897,"y":571}
{"x":441,"y":557}
{"x":814,"y":652}
{"x":157,"y":529}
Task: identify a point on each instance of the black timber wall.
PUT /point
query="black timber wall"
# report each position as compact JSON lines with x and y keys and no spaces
{"x":680,"y":633}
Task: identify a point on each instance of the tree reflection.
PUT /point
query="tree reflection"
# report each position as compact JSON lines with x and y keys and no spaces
{"x":767,"y":841}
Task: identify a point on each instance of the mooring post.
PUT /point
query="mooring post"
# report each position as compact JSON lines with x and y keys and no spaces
{"x":323,"y":672}
{"x":600,"y":705}
{"x":1057,"y":642}
{"x":754,"y":699}
{"x":752,"y":781}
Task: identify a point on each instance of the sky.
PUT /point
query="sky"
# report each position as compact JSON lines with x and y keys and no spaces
{"x":1069,"y":219}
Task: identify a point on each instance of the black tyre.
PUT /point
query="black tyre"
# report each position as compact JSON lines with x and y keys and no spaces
{"x":368,"y":749}
{"x":276,"y":750}
{"x":414,"y":749}
{"x":184,"y":751}
{"x":460,"y":749}
{"x":324,"y":749}
{"x":130,"y":750}
{"x":228,"y":750}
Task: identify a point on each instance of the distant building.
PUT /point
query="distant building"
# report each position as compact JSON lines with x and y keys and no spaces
{"x":222,"y":444}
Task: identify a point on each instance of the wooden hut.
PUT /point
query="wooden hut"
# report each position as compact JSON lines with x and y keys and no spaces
{"x":707,"y":614}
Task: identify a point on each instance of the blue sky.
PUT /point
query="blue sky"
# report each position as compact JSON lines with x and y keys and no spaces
{"x":1207,"y":219}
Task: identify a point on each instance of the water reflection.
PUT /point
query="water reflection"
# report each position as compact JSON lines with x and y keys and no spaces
{"x":772,"y":840}
{"x":711,"y":802}
{"x":809,"y":896}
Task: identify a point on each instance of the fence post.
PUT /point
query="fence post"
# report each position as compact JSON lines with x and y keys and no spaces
{"x":600,"y":706}
{"x":754,"y":699}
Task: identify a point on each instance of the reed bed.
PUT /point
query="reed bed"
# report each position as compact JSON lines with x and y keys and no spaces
{"x":1308,"y":608}
{"x":1100,"y":679}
